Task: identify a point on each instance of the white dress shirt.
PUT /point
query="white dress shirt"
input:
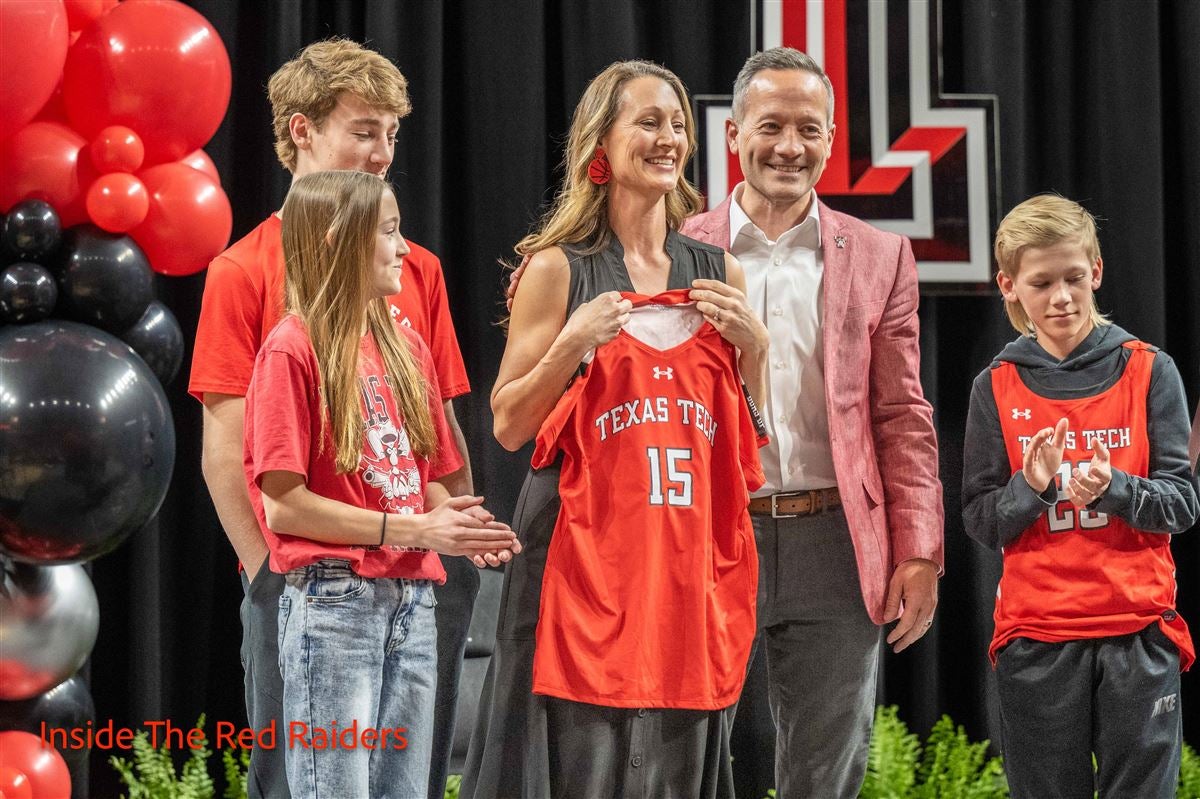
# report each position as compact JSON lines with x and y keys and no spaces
{"x":784,"y":286}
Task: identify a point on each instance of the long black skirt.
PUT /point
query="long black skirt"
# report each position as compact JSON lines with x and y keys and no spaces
{"x":527,"y":746}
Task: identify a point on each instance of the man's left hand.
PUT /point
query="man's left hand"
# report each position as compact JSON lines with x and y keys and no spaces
{"x":913,"y":588}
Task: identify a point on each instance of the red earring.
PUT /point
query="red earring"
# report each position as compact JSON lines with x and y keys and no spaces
{"x":599,"y":170}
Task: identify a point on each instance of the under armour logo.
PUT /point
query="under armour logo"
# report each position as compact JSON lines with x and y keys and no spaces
{"x":1164,"y":704}
{"x":1025,"y":414}
{"x":840,"y":241}
{"x":668,"y":373}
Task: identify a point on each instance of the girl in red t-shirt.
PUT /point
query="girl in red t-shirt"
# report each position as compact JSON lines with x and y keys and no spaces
{"x":344,"y":434}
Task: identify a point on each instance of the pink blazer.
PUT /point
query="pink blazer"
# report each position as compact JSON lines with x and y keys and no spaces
{"x":880,"y":426}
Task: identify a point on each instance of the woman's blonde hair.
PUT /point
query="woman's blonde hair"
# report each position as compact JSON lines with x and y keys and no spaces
{"x":1044,"y":220}
{"x":578,"y":214}
{"x":329,"y":225}
{"x":311,"y":83}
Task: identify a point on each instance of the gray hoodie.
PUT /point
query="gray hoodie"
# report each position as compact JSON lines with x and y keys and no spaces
{"x":999,"y":505}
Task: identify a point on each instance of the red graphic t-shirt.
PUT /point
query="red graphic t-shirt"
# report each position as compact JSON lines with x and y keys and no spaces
{"x":649,"y":589}
{"x":283,"y":426}
{"x":1074,"y":573}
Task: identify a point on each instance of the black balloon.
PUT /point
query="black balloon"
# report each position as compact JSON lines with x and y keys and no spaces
{"x":104,"y":279}
{"x":32,"y":230}
{"x":87,"y":444}
{"x":68,"y":706}
{"x":158,"y":339}
{"x":27,"y":293}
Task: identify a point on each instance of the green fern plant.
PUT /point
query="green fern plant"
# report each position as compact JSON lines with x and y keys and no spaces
{"x":236,"y":768}
{"x":948,"y":766}
{"x":892,"y":757}
{"x":1189,"y":774}
{"x":953,"y":767}
{"x":151,"y":772}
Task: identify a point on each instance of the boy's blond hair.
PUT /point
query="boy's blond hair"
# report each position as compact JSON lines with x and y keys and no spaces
{"x":310,"y":83}
{"x":1044,"y":220}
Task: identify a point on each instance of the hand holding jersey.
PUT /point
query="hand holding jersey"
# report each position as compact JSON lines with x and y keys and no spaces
{"x":726,"y":309}
{"x":598,"y":321}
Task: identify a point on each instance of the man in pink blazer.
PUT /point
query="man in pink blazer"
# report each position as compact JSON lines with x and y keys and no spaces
{"x":849,"y":526}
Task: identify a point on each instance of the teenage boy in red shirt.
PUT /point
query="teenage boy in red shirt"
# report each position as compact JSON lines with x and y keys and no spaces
{"x":336,"y":105}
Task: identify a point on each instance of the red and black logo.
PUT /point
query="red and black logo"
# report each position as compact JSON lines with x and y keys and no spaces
{"x":907,"y":157}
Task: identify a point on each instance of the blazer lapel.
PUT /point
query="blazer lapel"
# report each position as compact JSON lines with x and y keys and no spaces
{"x":837,"y":248}
{"x":838,"y":276}
{"x":716,"y":224}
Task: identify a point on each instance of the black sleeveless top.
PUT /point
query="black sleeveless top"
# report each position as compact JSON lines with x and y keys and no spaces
{"x":594,"y":273}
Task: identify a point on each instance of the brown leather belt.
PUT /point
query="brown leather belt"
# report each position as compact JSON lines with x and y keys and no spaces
{"x":787,"y":504}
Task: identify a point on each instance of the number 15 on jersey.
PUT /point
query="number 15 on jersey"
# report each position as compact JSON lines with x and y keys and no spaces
{"x":678,"y":480}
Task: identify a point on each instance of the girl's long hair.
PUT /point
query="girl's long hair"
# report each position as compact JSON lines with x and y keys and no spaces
{"x":579,"y":213}
{"x":329,"y":226}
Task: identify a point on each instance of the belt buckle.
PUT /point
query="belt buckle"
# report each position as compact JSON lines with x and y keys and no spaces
{"x":775,"y":514}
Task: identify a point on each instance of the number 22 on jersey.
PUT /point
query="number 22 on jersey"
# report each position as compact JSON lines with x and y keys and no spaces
{"x":1061,"y":515}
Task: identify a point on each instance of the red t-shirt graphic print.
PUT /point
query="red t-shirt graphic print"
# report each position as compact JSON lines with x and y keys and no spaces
{"x":283,"y":432}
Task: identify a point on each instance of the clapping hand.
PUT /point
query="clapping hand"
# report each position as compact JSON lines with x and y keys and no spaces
{"x":1044,"y":455}
{"x":1085,"y":487}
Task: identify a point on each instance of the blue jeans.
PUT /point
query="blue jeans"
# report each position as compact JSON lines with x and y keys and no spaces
{"x":359,"y":663}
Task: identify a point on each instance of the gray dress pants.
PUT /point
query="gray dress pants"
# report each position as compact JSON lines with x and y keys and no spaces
{"x":822,"y":653}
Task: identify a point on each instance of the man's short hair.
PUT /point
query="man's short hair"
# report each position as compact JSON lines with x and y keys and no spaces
{"x":777,"y":58}
{"x":311,"y":82}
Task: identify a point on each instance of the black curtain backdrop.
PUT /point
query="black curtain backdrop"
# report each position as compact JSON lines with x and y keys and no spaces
{"x":1097,"y":100}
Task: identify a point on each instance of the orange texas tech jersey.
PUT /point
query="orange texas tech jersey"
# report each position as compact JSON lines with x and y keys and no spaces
{"x":649,"y":590}
{"x":1078,"y":573}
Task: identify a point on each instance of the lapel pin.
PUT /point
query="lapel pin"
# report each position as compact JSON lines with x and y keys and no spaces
{"x":840,"y":241}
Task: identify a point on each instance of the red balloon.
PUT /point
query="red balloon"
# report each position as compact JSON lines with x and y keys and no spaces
{"x":189,"y":221}
{"x":42,"y":161}
{"x":200,"y":160}
{"x":118,"y":202}
{"x":33,"y":47}
{"x":38,"y":761}
{"x":117,"y":149}
{"x":155,"y":66}
{"x":14,"y":784}
{"x":54,"y":110}
{"x":81,"y":13}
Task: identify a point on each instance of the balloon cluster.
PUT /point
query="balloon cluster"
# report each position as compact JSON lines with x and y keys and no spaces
{"x":85,"y":275}
{"x":109,"y":128}
{"x":104,"y":109}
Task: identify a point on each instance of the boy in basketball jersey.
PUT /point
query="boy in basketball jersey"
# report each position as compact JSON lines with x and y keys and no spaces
{"x":1076,"y":471}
